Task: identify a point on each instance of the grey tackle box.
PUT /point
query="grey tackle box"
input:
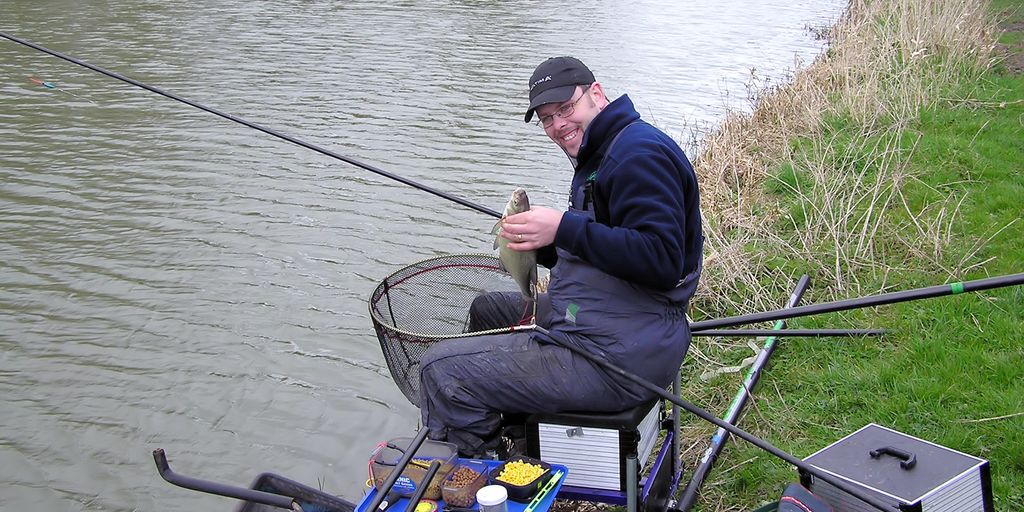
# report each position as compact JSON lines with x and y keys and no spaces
{"x":595,"y":446}
{"x":912,"y":474}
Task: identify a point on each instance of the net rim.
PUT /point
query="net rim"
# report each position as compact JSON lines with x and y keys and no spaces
{"x":380,"y":322}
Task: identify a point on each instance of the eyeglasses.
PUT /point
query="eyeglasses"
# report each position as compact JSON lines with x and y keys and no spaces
{"x":562,"y":112}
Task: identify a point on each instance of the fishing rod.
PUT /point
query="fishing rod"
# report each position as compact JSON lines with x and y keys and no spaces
{"x":863,"y":302}
{"x":689,"y":497}
{"x":706,"y":416}
{"x":414,"y":500}
{"x":791,"y":333}
{"x":268,"y":131}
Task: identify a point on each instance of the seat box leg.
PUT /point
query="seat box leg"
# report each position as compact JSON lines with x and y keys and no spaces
{"x":631,"y":483}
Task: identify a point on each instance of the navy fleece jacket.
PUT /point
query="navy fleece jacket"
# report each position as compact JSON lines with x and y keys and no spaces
{"x":652,"y":235}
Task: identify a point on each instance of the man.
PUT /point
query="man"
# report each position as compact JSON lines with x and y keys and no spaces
{"x":625,"y":261}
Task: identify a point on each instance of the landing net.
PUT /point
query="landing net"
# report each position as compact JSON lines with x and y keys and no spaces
{"x":428,"y":302}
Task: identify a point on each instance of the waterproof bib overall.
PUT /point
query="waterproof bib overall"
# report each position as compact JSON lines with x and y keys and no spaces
{"x":641,"y":330}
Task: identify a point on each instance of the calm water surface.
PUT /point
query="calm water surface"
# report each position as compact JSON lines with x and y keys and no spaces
{"x":171,"y":279}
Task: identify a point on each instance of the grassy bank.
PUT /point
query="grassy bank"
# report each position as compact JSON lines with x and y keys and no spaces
{"x":895,"y":161}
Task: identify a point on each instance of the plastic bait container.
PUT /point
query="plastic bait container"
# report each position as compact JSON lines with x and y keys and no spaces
{"x":524,"y":492}
{"x":460,"y":486}
{"x":386,"y":460}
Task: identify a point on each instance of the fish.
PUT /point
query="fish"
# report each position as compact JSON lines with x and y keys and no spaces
{"x":521,"y":265}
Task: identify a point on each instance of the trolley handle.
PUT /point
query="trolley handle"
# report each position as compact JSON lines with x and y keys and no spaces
{"x":907,"y":459}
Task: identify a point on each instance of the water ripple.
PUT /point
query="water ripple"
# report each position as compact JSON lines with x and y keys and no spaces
{"x":171,"y":279}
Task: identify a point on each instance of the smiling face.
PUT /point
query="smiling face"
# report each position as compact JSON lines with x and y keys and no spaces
{"x":567,"y":131}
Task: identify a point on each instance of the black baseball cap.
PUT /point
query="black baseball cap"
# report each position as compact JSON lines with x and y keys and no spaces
{"x":555,"y":81}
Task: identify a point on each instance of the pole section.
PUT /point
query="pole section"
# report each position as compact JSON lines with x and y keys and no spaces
{"x":863,"y":302}
{"x":732,"y":415}
{"x":268,"y":131}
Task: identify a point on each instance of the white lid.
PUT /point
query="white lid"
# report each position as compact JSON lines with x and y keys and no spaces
{"x":491,"y":495}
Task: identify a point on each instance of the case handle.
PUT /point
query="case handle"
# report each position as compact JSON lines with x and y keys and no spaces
{"x":907,"y":459}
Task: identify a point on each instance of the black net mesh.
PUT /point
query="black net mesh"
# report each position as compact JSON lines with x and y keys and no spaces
{"x":428,"y":302}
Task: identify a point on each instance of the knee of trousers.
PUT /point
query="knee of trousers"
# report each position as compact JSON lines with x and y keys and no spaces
{"x":435,"y":371}
{"x":436,"y":354}
{"x":480,"y":302}
{"x":428,"y":376}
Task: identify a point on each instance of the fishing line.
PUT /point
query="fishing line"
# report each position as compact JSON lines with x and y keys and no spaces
{"x":51,"y":85}
{"x":268,"y":131}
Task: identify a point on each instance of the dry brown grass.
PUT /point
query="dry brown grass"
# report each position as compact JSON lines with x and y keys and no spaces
{"x":886,"y":60}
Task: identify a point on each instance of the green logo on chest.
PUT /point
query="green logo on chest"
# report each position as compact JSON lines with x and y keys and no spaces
{"x":570,"y":313}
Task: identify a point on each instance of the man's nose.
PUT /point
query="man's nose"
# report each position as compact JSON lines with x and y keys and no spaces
{"x":559,"y":123}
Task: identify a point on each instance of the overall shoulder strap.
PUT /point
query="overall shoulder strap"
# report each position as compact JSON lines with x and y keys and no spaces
{"x":608,"y":149}
{"x":600,"y":208}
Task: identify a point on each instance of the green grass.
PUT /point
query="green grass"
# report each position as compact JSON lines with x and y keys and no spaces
{"x":978,"y":150}
{"x":951,"y":369}
{"x":948,"y":367}
{"x":1010,"y":12}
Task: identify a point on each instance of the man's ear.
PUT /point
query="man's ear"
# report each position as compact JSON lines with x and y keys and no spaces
{"x":598,"y":91}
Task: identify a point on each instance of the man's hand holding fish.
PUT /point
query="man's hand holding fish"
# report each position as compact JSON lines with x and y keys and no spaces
{"x":531,"y":229}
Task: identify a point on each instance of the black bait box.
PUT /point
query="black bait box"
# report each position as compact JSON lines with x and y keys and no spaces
{"x":912,"y":474}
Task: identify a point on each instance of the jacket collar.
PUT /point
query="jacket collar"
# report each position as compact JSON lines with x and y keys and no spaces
{"x":616,"y":116}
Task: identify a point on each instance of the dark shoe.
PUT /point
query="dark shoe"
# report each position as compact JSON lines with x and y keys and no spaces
{"x":488,"y":450}
{"x":513,"y":442}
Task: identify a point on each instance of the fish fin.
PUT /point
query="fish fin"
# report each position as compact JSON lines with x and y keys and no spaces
{"x":533,"y":283}
{"x":496,"y":230}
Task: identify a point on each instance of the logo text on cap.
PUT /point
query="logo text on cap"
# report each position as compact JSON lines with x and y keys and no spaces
{"x":542,"y":80}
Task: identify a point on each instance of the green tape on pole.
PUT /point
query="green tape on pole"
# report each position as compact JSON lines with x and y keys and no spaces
{"x":957,"y":288}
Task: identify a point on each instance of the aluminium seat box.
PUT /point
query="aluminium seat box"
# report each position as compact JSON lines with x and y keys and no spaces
{"x":912,"y":474}
{"x":594,"y":446}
